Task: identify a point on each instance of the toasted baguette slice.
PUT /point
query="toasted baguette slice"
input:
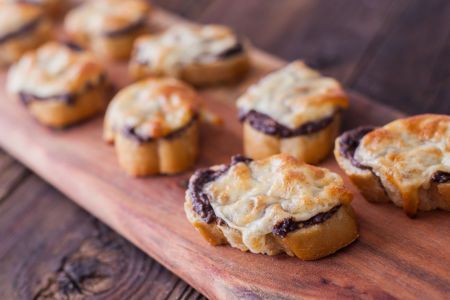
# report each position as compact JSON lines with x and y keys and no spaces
{"x":294,"y":110}
{"x":403,"y":162}
{"x":200,"y":55}
{"x":77,"y":90}
{"x":154,"y":126}
{"x":267,"y":207}
{"x":23,"y":27}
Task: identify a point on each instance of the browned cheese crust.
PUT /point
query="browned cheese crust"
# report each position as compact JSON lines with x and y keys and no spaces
{"x":406,"y":162}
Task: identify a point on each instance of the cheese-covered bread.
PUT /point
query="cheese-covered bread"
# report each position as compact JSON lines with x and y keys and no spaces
{"x":151,"y":108}
{"x":154,"y":120}
{"x":198,"y":54}
{"x":273,"y":205}
{"x":407,"y":160}
{"x":50,"y":7}
{"x":109,"y":27}
{"x":22,"y":28}
{"x":60,"y":85}
{"x":293,"y":110}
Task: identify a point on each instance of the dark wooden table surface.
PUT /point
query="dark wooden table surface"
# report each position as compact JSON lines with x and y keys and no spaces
{"x":395,"y":52}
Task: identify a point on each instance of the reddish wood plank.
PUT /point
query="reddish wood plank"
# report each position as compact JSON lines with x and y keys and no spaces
{"x":386,"y":261}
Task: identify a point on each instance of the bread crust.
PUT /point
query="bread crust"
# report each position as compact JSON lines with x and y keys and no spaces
{"x":12,"y":50}
{"x":160,"y":156}
{"x":367,"y":182}
{"x":310,"y":148}
{"x":53,"y":112}
{"x":112,"y":48}
{"x":309,"y":243}
{"x":221,"y":71}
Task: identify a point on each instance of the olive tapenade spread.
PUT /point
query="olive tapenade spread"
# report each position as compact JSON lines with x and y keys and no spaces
{"x":264,"y":123}
{"x":131,"y":133}
{"x":288,"y":225}
{"x":137,"y":25}
{"x":349,"y":142}
{"x":24,"y":29}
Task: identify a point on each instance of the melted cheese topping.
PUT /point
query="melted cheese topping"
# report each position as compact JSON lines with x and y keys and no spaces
{"x":53,"y":69}
{"x":294,"y":95}
{"x":405,"y":154}
{"x":35,"y":2}
{"x":14,"y":16}
{"x":254,"y":197}
{"x":153,"y":107}
{"x":169,"y":52}
{"x":101,"y":16}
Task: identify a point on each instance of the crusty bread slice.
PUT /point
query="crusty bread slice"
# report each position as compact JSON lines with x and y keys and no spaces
{"x":436,"y":196}
{"x":312,"y":241}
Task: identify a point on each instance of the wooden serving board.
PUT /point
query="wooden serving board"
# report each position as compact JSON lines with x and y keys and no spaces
{"x":395,"y":256}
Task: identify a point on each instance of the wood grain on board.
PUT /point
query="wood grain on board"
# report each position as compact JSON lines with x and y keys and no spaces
{"x":395,"y":255}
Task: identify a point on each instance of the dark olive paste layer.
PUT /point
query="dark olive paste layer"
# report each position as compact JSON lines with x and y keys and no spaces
{"x":264,"y":123}
{"x":350,"y":141}
{"x":131,"y":28}
{"x":24,"y":29}
{"x":288,"y":225}
{"x":234,"y":50}
{"x":67,"y":98}
{"x":200,"y":199}
{"x":441,"y":177}
{"x":130,"y":132}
